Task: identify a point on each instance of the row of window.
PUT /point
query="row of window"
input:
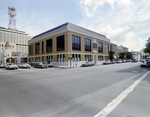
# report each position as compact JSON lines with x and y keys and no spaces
{"x":61,"y":58}
{"x":14,"y":38}
{"x":76,"y":45}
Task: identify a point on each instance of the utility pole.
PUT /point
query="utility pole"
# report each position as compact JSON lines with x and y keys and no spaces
{"x":70,"y":48}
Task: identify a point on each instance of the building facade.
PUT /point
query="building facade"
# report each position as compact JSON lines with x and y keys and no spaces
{"x":121,"y":49}
{"x":18,"y":40}
{"x":113,"y":47}
{"x":68,"y":40}
{"x":136,"y":55}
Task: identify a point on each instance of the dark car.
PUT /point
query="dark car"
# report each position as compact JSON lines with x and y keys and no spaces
{"x":87,"y":64}
{"x":134,"y":60}
{"x":143,"y":64}
{"x":32,"y":63}
{"x":40,"y":65}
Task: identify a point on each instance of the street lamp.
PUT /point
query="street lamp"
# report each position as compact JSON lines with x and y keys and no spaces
{"x":70,"y":49}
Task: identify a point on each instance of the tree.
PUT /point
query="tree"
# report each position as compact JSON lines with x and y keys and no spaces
{"x":90,"y":59}
{"x":48,"y":61}
{"x":147,"y":49}
{"x":122,"y":55}
{"x":129,"y":55}
{"x":111,"y":53}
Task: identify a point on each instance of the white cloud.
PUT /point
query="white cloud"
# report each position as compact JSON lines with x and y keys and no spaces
{"x":94,"y":4}
{"x":125,"y":23}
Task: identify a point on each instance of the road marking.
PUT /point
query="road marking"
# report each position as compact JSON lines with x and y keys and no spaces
{"x":112,"y":105}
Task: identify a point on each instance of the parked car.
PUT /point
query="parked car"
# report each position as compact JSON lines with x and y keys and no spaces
{"x":142,"y":60}
{"x":127,"y":60}
{"x":24,"y":65}
{"x":148,"y":58}
{"x":87,"y":64}
{"x":11,"y":66}
{"x":32,"y":63}
{"x":2,"y":65}
{"x":143,"y":64}
{"x":134,"y":60}
{"x":107,"y":62}
{"x":124,"y":61}
{"x":40,"y":65}
{"x":113,"y":62}
{"x":119,"y":61}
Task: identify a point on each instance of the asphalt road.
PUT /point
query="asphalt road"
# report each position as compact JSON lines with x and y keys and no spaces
{"x":119,"y":90}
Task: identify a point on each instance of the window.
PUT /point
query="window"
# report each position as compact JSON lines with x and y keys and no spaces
{"x":42,"y":46}
{"x":42,"y":58}
{"x":58,"y":58}
{"x":60,"y":43}
{"x":100,"y":47}
{"x":87,"y":57}
{"x":61,"y":58}
{"x":87,"y":45}
{"x":106,"y":48}
{"x":100,"y":58}
{"x":94,"y":45}
{"x":48,"y":45}
{"x":76,"y":43}
{"x":50,"y":58}
{"x":76,"y":57}
{"x":106,"y":58}
{"x":37,"y":48}
{"x":31,"y":50}
{"x":37,"y":59}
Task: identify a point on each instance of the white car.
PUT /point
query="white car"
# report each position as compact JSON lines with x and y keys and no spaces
{"x":2,"y":65}
{"x":11,"y":66}
{"x":24,"y":65}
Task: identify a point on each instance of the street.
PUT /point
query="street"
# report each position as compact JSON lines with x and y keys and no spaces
{"x":97,"y":91}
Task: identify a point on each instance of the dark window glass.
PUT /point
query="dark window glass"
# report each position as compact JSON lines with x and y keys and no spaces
{"x":94,"y":45}
{"x":76,"y":43}
{"x":37,"y":48}
{"x":87,"y":44}
{"x":31,"y":50}
{"x":60,"y":43}
{"x":106,"y":48}
{"x":42,"y":46}
{"x":48,"y":45}
{"x":100,"y":47}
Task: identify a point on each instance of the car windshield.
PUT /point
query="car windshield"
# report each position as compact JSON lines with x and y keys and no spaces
{"x":40,"y":63}
{"x":44,"y":63}
{"x":24,"y":63}
{"x":11,"y":64}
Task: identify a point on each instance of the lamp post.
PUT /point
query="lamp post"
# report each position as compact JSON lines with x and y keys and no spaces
{"x":70,"y":48}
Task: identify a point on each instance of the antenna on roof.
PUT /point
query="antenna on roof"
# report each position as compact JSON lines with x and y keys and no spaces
{"x":12,"y":20}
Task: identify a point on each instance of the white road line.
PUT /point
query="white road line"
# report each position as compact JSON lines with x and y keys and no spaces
{"x":112,"y":105}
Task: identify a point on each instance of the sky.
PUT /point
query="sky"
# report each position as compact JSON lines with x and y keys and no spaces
{"x":124,"y":22}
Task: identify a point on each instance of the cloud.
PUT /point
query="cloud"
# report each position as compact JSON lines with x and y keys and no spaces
{"x":124,"y":22}
{"x":92,"y":5}
{"x":125,"y":36}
